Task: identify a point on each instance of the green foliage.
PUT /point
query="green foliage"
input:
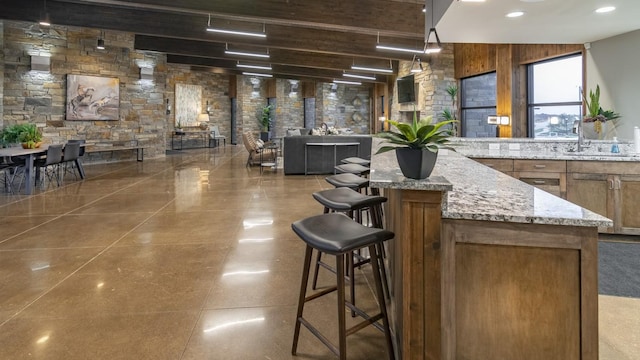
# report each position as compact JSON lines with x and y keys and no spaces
{"x":265,"y":118}
{"x":594,"y":110}
{"x":452,"y":91}
{"x":448,"y":115}
{"x":26,"y":133}
{"x":423,"y":134}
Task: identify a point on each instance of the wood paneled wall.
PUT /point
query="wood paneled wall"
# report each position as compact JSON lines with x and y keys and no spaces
{"x":509,"y":62}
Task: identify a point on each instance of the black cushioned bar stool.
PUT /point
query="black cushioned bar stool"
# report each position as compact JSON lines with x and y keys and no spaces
{"x":348,"y":180}
{"x":352,"y":203}
{"x":355,"y":169}
{"x":356,"y":160}
{"x":338,"y":235}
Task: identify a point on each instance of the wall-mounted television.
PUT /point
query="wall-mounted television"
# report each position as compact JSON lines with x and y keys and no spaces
{"x":406,"y":89}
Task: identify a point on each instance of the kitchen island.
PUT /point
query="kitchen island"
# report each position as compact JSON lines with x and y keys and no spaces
{"x":484,"y":266}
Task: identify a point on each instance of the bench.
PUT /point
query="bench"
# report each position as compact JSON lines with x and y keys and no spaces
{"x":102,"y":147}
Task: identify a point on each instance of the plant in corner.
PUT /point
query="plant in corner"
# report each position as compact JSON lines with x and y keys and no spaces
{"x":449,"y":114}
{"x":595,"y":113}
{"x":416,"y":144}
{"x":265,"y":122}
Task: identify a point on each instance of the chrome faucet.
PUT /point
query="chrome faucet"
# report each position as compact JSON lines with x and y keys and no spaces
{"x":578,"y":129}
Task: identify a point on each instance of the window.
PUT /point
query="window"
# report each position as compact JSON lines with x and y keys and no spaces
{"x":477,"y":102}
{"x":554,"y":97}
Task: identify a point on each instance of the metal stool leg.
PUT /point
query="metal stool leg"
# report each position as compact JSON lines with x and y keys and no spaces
{"x":301,"y":298}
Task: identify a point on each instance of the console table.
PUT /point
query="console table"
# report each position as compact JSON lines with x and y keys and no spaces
{"x":181,"y":134}
{"x":334,"y":145}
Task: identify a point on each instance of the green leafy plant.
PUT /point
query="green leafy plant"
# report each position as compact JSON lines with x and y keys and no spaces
{"x":21,"y":133}
{"x":448,"y":114}
{"x":422,"y":134}
{"x":265,"y":118}
{"x":595,"y":111}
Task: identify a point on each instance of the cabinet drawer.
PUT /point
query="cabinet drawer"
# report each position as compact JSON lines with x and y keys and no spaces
{"x":502,"y":165}
{"x":540,"y":165}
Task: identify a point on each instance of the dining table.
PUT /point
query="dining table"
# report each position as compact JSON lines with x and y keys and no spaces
{"x":30,"y":155}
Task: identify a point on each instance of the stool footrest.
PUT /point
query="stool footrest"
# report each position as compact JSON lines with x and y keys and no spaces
{"x":319,"y":335}
{"x":321,"y":293}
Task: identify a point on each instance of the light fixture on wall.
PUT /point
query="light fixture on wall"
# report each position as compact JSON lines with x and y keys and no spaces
{"x":416,"y":65}
{"x":208,"y":108}
{"x":498,"y":120}
{"x":245,"y":53}
{"x":168,"y":108}
{"x":235,"y":32}
{"x":100,"y":45}
{"x":40,"y":63}
{"x":146,"y":73}
{"x":44,"y":17}
{"x":432,"y":47}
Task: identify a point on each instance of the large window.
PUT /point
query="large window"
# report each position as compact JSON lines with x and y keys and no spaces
{"x":477,"y":102}
{"x":554,"y":97}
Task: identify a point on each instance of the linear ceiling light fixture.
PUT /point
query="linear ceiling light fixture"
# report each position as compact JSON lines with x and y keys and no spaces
{"x":44,"y":17}
{"x":234,"y":32}
{"x":605,"y":9}
{"x":364,"y":77}
{"x":347,"y":82}
{"x":257,"y":74}
{"x":432,"y":47}
{"x":371,"y":69}
{"x":257,"y":67}
{"x":245,"y":53}
{"x":395,"y":48}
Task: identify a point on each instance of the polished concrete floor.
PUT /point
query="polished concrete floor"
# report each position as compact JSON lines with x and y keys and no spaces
{"x":188,"y":257}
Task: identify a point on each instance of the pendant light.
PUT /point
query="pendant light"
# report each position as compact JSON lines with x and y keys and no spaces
{"x":44,"y":17}
{"x":432,"y":47}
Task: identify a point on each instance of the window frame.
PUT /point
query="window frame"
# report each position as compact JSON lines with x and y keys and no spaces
{"x":530,"y":92}
{"x":463,"y":122}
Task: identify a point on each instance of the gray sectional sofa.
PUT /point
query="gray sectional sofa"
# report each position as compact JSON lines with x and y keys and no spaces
{"x":320,"y":159}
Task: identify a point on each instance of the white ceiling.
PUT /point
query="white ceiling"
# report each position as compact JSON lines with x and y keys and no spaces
{"x":544,"y":21}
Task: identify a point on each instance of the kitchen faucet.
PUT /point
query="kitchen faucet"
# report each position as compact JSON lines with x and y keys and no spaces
{"x":578,"y":129}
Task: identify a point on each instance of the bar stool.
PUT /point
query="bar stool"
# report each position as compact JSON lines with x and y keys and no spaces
{"x":356,"y":160}
{"x":355,"y":169}
{"x":352,"y":203}
{"x":338,"y":235}
{"x":348,"y":180}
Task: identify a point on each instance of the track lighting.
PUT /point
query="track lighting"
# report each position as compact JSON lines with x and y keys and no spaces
{"x":363,"y":68}
{"x":347,"y":82}
{"x":257,"y":74}
{"x":234,"y":32}
{"x":359,"y":76}
{"x":258,"y":67}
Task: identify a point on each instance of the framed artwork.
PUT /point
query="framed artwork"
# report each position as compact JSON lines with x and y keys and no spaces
{"x":188,"y":104}
{"x":93,"y":98}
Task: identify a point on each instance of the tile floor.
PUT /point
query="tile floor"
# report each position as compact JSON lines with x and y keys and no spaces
{"x":188,"y":257}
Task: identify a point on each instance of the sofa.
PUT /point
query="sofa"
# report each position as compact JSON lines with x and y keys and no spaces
{"x":320,"y":158}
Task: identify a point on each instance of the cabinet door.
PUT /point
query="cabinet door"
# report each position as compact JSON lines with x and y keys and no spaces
{"x":593,"y":192}
{"x":627,"y":197}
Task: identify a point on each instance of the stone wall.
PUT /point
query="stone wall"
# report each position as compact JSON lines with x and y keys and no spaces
{"x":215,"y":92}
{"x":431,"y":95}
{"x":40,"y":97}
{"x":289,"y":106}
{"x":251,"y":98}
{"x":344,"y":106}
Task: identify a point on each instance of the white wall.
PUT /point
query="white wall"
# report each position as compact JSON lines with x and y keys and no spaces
{"x":614,"y":64}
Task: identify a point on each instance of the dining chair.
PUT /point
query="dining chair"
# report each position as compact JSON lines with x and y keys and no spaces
{"x":216,"y":137}
{"x":69,"y":157}
{"x":11,"y":169}
{"x":50,"y":164}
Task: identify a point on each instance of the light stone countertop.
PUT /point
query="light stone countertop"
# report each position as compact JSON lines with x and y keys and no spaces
{"x":476,"y":192}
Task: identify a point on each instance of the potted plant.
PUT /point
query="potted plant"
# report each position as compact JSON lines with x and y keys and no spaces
{"x":179,"y":128}
{"x":27,"y":134}
{"x":265,"y":122}
{"x":595,"y":113}
{"x":416,"y":144}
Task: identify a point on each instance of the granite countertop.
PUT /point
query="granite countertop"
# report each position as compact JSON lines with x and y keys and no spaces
{"x":525,"y":155}
{"x":476,"y":192}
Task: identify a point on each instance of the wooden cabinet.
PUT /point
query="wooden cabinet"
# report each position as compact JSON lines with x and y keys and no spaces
{"x":548,"y":175}
{"x":609,"y":188}
{"x":502,"y":165}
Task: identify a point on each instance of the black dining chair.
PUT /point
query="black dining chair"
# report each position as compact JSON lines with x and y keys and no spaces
{"x":69,"y":158}
{"x":50,"y":164}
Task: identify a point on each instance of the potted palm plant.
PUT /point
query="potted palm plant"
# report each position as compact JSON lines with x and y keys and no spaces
{"x":416,"y":144}
{"x":265,"y":122}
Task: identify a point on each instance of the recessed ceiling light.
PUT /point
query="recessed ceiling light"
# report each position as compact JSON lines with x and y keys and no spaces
{"x":605,"y":9}
{"x":515,"y":14}
{"x":472,"y":0}
{"x":532,"y":1}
